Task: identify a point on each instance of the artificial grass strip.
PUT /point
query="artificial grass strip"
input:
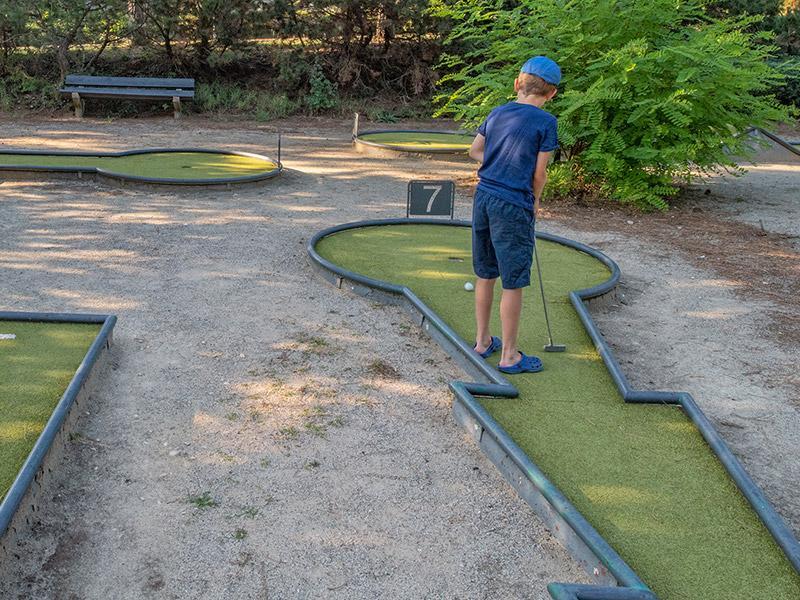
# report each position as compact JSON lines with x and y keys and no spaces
{"x":162,"y":165}
{"x":35,"y":370}
{"x":421,"y":140}
{"x":642,"y":475}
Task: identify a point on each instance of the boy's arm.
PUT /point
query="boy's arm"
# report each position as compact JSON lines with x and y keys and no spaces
{"x":476,"y":150}
{"x":540,"y":178}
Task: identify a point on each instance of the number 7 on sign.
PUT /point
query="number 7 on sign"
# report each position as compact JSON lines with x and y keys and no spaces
{"x":436,"y":189}
{"x":430,"y":198}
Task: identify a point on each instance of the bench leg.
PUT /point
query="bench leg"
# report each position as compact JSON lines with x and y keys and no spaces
{"x":78,"y":104}
{"x":176,"y":106}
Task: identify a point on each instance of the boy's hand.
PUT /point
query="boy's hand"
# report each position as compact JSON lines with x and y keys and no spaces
{"x":540,"y":178}
{"x":476,"y":150}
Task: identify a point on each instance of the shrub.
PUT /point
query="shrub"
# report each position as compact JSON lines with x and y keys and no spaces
{"x":322,"y":93}
{"x":20,"y":90}
{"x":562,"y":180}
{"x":642,"y":104}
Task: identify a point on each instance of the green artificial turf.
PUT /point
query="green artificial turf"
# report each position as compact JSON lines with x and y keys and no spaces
{"x":35,"y":369}
{"x":420,"y":140}
{"x":642,"y":475}
{"x":162,"y":165}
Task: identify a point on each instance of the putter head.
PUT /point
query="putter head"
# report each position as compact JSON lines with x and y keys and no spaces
{"x":555,"y":348}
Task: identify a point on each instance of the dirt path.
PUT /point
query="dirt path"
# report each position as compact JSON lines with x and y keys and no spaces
{"x":237,"y":448}
{"x":767,"y":196}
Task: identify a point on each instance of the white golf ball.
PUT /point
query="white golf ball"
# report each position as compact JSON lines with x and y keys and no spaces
{"x":468,"y":286}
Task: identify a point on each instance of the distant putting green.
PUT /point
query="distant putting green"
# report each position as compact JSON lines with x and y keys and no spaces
{"x":418,"y":141}
{"x":641,"y":474}
{"x":35,"y":370}
{"x":183,"y":166}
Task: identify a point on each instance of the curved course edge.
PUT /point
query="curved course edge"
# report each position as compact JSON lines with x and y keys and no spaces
{"x":389,"y":150}
{"x":209,"y":181}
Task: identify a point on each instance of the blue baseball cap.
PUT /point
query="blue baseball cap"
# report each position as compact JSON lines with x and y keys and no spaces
{"x":543,"y":67}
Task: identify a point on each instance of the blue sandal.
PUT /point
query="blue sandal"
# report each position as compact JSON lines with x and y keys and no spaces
{"x":493,"y":347}
{"x":526,"y":364}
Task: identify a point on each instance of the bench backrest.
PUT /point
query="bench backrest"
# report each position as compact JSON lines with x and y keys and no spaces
{"x":130,"y":82}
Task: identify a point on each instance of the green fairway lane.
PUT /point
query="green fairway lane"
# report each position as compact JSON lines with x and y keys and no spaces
{"x":641,"y":474}
{"x":155,"y":165}
{"x":420,"y":140}
{"x":35,"y":370}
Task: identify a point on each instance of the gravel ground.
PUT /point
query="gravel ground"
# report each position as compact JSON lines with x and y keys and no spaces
{"x":235,"y":446}
{"x":767,"y":195}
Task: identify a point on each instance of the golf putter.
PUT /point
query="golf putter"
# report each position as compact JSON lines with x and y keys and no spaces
{"x":550,"y":347}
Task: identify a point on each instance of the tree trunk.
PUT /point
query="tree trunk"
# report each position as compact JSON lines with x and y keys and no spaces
{"x":62,"y":58}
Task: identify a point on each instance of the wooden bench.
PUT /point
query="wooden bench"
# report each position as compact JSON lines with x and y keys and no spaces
{"x":79,"y":87}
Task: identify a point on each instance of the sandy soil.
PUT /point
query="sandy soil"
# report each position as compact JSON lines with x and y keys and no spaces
{"x":237,"y":379}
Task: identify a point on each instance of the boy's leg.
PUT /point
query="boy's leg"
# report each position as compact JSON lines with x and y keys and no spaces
{"x":512,"y":237}
{"x":484,"y":263}
{"x":484,"y":295}
{"x":510,"y":311}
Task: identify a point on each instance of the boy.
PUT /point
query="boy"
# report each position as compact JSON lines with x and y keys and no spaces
{"x":513,"y":145}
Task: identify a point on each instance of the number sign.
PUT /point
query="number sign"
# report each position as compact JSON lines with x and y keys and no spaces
{"x":431,"y":198}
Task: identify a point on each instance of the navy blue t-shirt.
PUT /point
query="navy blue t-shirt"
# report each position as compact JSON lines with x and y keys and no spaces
{"x":515,"y":134}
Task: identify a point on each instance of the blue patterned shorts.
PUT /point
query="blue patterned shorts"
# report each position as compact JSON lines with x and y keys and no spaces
{"x":502,"y":240}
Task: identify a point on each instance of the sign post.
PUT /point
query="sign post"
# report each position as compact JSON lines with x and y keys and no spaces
{"x":431,"y":198}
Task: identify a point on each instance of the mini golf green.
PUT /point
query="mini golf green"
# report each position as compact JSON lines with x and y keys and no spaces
{"x":641,"y":474}
{"x":35,"y":370}
{"x":418,"y":141}
{"x":159,"y":166}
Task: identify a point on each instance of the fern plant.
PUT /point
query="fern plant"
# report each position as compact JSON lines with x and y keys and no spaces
{"x":652,"y":93}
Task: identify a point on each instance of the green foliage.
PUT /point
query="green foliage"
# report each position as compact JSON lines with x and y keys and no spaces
{"x":314,"y":55}
{"x":322,"y":94}
{"x":224,"y":97}
{"x":382,"y":116}
{"x":18,"y":89}
{"x":562,"y":180}
{"x":63,"y":25}
{"x":367,"y":43}
{"x":274,"y":106}
{"x":789,"y":91}
{"x":203,"y":501}
{"x":642,"y":104}
{"x":199,"y":27}
{"x":13,"y":21}
{"x":781,"y":17}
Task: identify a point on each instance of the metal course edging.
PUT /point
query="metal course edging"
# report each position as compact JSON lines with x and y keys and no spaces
{"x":790,"y":146}
{"x":36,"y":457}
